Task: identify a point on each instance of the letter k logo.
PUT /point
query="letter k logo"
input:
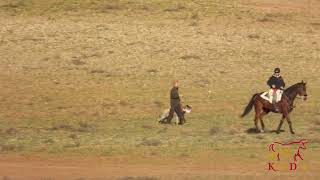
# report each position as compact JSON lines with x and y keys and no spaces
{"x":271,"y":168}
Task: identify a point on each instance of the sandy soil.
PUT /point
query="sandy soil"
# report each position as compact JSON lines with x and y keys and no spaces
{"x":31,"y":167}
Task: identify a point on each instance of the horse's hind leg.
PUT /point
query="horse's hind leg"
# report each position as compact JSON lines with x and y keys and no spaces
{"x":256,"y":118}
{"x":258,"y":110}
{"x":261,"y":120}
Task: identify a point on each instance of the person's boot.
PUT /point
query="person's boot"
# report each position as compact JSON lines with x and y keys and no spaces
{"x":181,"y":121}
{"x":275,"y":106}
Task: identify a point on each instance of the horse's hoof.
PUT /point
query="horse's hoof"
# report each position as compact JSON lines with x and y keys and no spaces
{"x":292,"y":132}
{"x":261,"y":131}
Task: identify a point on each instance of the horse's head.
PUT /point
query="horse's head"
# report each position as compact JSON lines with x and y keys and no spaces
{"x":302,"y":90}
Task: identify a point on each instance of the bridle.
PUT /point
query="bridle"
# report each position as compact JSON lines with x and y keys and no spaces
{"x":299,"y":97}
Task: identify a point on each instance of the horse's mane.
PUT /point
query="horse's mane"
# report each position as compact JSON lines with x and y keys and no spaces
{"x":290,"y":90}
{"x":293,"y":87}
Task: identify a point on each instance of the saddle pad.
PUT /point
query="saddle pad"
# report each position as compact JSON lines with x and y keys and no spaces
{"x":268,"y":95}
{"x":265,"y":96}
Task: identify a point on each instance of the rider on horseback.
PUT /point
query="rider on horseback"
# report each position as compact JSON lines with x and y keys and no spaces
{"x":276,"y":83}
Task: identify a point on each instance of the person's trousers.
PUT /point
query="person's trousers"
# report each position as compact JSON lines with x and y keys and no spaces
{"x":178,"y":110}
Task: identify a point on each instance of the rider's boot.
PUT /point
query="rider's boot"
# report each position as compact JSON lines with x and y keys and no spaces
{"x":274,"y":102}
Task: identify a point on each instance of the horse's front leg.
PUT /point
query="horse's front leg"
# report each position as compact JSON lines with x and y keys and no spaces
{"x":287,"y":117}
{"x":280,"y":124}
{"x":261,"y":120}
{"x":290,"y":124}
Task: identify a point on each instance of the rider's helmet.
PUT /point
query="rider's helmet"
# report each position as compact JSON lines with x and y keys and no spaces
{"x":277,"y":70}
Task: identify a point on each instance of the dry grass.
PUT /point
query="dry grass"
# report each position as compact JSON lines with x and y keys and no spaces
{"x":91,"y":78}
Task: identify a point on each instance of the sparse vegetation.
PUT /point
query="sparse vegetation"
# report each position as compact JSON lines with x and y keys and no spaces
{"x":91,"y":77}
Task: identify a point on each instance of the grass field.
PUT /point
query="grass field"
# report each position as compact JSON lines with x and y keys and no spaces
{"x":89,"y":78}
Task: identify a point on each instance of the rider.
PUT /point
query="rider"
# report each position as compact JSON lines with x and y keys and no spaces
{"x":276,"y":83}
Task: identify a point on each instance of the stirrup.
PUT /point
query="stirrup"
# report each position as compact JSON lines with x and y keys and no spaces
{"x":276,"y":108}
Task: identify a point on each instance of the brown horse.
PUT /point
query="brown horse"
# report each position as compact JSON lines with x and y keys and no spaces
{"x":263,"y":107}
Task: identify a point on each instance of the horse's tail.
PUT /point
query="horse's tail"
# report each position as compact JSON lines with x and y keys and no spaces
{"x":249,"y":106}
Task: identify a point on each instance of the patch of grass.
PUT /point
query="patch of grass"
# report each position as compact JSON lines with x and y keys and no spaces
{"x":11,"y":131}
{"x":158,"y":104}
{"x":315,"y":140}
{"x":195,"y":16}
{"x":97,"y":71}
{"x":193,"y":24}
{"x":152,"y":71}
{"x":85,"y":127}
{"x":317,"y":122}
{"x":138,"y":178}
{"x":214,"y":131}
{"x":163,"y":130}
{"x":9,"y":148}
{"x":49,"y":141}
{"x":252,"y":131}
{"x":78,"y":62}
{"x":186,"y":57}
{"x":14,"y":5}
{"x":64,"y":127}
{"x":265,"y":19}
{"x":109,"y":106}
{"x":175,"y":8}
{"x":253,"y":36}
{"x":150,"y":142}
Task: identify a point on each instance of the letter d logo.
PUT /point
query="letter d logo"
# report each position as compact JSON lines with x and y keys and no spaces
{"x":293,"y":166}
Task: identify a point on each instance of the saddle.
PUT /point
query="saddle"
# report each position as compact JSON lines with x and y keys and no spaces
{"x":271,"y":94}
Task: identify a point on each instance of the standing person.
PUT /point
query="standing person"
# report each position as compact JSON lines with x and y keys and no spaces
{"x":276,"y":83}
{"x":175,"y":104}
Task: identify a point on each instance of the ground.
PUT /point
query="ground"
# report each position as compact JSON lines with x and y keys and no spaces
{"x":83,"y":83}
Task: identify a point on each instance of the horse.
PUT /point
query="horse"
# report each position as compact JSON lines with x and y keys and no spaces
{"x":263,"y":107}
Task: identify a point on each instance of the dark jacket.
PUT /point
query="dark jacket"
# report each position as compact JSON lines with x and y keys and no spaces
{"x":277,"y":81}
{"x":174,"y":97}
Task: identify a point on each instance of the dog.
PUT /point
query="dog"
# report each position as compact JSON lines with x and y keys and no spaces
{"x":165,"y":114}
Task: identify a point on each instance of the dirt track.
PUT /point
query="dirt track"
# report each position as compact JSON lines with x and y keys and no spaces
{"x":19,"y":167}
{"x":26,"y":167}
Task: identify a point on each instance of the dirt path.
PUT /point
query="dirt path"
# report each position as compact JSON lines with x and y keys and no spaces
{"x":26,"y":167}
{"x":21,"y":167}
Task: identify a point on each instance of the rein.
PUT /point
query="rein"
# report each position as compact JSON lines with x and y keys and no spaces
{"x":294,"y":104}
{"x":292,"y":99}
